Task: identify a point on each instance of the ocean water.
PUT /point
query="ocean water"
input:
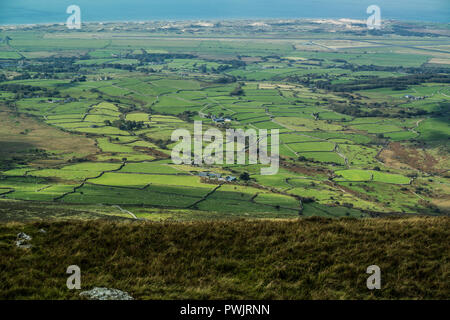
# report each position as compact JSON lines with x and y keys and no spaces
{"x":54,"y":11}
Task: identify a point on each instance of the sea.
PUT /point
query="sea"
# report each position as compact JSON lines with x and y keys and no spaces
{"x":54,"y":11}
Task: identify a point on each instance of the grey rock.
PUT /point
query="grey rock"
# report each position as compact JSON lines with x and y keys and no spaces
{"x":42,"y":231}
{"x":23,"y":240}
{"x":23,"y":236}
{"x":99,"y":293}
{"x":21,"y":244}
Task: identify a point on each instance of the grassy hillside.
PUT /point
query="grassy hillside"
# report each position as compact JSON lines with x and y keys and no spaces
{"x":314,"y":258}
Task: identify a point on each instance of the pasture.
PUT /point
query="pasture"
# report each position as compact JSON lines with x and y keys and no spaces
{"x":87,"y":117}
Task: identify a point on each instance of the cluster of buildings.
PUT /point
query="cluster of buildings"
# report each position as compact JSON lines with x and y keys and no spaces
{"x":408,"y":96}
{"x":103,"y":78}
{"x":67,"y":100}
{"x":216,"y":176}
{"x":220,"y":119}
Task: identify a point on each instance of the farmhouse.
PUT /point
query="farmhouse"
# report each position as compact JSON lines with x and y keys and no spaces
{"x":210,"y":175}
{"x":408,"y":96}
{"x":218,"y":176}
{"x":218,"y":120}
{"x":214,"y":175}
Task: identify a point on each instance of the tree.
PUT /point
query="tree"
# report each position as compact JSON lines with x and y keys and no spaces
{"x":244,"y":176}
{"x":237,"y":91}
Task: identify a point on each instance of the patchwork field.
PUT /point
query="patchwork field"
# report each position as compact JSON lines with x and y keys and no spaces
{"x":87,"y":120}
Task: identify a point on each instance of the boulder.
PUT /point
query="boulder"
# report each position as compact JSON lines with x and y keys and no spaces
{"x":23,"y":236}
{"x":23,"y":240}
{"x":99,"y":293}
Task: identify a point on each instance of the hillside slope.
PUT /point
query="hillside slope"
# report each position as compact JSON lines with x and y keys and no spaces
{"x":313,"y":258}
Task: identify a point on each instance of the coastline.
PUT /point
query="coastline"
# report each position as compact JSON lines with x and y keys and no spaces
{"x":212,"y":20}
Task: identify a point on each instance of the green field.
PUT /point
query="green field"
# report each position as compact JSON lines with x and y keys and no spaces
{"x":354,"y":115}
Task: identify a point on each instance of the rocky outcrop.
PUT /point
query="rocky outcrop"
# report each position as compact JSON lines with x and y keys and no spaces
{"x":23,"y":240}
{"x":106,"y":294}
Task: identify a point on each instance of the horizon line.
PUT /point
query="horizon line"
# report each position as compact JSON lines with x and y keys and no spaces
{"x":213,"y":19}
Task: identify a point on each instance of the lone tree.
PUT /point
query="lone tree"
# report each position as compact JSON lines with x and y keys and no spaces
{"x":244,"y":176}
{"x":237,"y":91}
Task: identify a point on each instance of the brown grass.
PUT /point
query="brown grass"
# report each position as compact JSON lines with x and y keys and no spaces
{"x":398,"y":156}
{"x":313,"y":258}
{"x":40,"y":135}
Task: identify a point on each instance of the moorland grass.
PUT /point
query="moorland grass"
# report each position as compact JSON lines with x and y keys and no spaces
{"x":314,"y":258}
